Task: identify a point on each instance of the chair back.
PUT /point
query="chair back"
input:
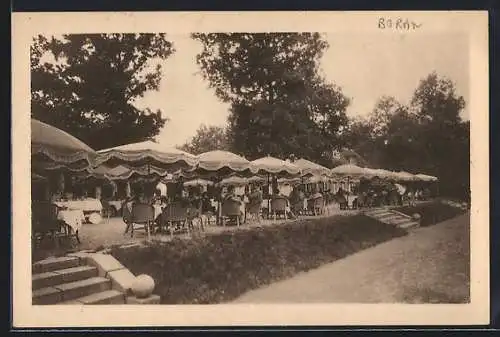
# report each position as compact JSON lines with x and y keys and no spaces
{"x":126,"y":213}
{"x":174,"y":211}
{"x":310,"y":203}
{"x":298,"y":206}
{"x":230,"y":208}
{"x":319,"y":202}
{"x":142,"y":213}
{"x":44,"y":217}
{"x":279,"y":204}
{"x":254,"y":208}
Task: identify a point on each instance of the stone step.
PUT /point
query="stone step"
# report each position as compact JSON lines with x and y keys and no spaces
{"x":380,"y":214}
{"x":71,"y":290}
{"x":376,"y":211}
{"x":401,"y":220}
{"x":389,"y":217}
{"x":103,"y":297}
{"x":53,"y":278}
{"x":55,"y":263}
{"x":408,"y":225}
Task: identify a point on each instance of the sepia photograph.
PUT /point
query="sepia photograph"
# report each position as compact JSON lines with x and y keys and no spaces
{"x":216,"y":165}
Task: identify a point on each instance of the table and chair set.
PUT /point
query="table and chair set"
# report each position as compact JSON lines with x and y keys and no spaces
{"x":178,"y":216}
{"x":60,"y":220}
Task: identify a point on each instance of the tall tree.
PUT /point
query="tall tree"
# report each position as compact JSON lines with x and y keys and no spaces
{"x":428,"y":136}
{"x":87,"y":84}
{"x":280,"y":105}
{"x":385,"y":108}
{"x":208,"y":138}
{"x":446,"y":136}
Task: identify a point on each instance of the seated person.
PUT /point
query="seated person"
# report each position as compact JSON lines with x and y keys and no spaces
{"x":231,"y":195}
{"x":317,"y":194}
{"x":277,"y":194}
{"x":206,"y":204}
{"x":255,"y":197}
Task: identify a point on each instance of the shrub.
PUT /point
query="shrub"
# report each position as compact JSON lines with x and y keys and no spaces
{"x":432,"y":212}
{"x":220,"y":267}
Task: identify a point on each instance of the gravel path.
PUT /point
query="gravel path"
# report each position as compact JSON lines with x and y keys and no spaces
{"x":430,"y":265}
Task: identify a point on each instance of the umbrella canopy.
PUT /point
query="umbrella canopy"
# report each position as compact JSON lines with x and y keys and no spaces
{"x":349,"y":170}
{"x":147,"y":154}
{"x":256,"y":179}
{"x":404,"y":176}
{"x":290,"y":181}
{"x":310,"y":168}
{"x":315,"y":179}
{"x":275,"y":166}
{"x":53,"y":148}
{"x":425,"y":177}
{"x":220,"y":163}
{"x":380,"y":173}
{"x":198,"y":182}
{"x":124,"y":172}
{"x":233,"y":181}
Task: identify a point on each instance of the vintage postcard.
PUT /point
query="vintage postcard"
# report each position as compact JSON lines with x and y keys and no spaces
{"x":250,"y":169}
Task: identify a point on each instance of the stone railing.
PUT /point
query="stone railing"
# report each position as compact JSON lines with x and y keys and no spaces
{"x":137,"y":289}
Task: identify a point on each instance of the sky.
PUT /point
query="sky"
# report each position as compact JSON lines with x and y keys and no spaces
{"x":365,"y":66}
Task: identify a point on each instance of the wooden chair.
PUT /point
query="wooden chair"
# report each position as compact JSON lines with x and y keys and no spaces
{"x":253,"y":209}
{"x":143,"y":216}
{"x":230,"y":209}
{"x":194,"y":217}
{"x":342,"y":201}
{"x":44,"y":222}
{"x":174,"y":217}
{"x":279,"y":207}
{"x":297,"y":207}
{"x":310,"y":207}
{"x":316,"y":206}
{"x":108,"y":210}
{"x":127,"y":217}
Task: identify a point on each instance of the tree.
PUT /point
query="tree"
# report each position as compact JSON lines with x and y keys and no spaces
{"x":280,"y":104}
{"x":447,"y":137}
{"x":385,"y":108}
{"x":208,"y":138}
{"x":86,"y":84}
{"x":428,"y":136}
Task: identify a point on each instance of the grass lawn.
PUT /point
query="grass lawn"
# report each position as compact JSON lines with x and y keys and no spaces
{"x":220,"y":267}
{"x":431,"y":212}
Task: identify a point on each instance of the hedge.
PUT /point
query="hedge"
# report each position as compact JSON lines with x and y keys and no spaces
{"x":219,"y":268}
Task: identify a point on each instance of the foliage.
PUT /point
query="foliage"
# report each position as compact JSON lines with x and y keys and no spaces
{"x":87,"y":84}
{"x":431,"y":213}
{"x":220,"y":267}
{"x":208,"y":138}
{"x":280,"y":103}
{"x":428,"y":136}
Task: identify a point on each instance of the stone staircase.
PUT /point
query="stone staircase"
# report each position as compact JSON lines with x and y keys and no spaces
{"x":70,"y":280}
{"x":392,"y":217}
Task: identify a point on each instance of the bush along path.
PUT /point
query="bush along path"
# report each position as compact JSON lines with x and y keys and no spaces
{"x":219,"y":268}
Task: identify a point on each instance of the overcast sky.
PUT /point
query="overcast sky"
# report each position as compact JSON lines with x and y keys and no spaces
{"x":365,"y":66}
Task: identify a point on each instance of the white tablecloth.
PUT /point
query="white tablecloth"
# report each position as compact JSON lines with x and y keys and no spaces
{"x":158,"y":210}
{"x":350,"y":199}
{"x":88,"y":205}
{"x":74,"y":218}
